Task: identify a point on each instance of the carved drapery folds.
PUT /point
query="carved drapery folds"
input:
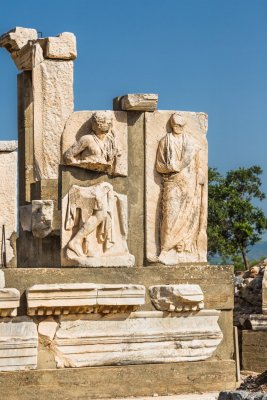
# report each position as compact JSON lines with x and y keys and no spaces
{"x":176,"y":191}
{"x":95,"y":227}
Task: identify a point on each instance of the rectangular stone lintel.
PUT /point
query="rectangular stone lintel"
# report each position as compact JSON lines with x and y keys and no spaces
{"x":136,"y":102}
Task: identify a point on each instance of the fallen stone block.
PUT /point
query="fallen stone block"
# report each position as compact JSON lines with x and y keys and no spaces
{"x":142,"y":337}
{"x":84,"y":298}
{"x":177,"y":297}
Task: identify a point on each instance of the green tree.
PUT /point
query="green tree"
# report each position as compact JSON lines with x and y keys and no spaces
{"x":234,"y":222}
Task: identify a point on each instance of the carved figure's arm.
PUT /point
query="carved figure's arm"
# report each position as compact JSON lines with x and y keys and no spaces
{"x":75,"y":149}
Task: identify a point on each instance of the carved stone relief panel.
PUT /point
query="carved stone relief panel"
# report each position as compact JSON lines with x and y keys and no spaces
{"x":95,"y":227}
{"x":96,"y":141}
{"x":176,"y":187}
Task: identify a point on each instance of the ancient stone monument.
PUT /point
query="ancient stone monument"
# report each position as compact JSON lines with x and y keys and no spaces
{"x":112,"y":245}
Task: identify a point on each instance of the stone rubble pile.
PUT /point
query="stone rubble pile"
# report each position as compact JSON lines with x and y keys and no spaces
{"x":248,"y":294}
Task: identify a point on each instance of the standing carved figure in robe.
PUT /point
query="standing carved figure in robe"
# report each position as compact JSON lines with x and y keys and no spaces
{"x":178,"y":162}
{"x":99,"y":149}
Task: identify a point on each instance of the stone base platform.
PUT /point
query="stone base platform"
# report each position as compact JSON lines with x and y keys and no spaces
{"x":254,"y":351}
{"x":119,"y":381}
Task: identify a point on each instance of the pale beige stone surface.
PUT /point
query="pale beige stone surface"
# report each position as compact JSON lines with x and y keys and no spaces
{"x":9,"y":302}
{"x":84,"y":298}
{"x":81,"y":147}
{"x":18,"y":345}
{"x":139,"y":102}
{"x":264,"y":292}
{"x":95,"y":227}
{"x":53,"y":104}
{"x":147,"y":339}
{"x":16,"y":38}
{"x":177,"y":297}
{"x":61,"y":47}
{"x":8,"y":198}
{"x":176,"y":214}
{"x":8,"y":146}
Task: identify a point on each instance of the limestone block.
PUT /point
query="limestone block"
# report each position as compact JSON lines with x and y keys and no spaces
{"x":28,"y":57}
{"x":177,"y":297}
{"x":2,"y":279}
{"x":18,"y":345}
{"x":147,"y":337}
{"x":139,"y":102}
{"x":83,"y":298}
{"x":258,"y":322}
{"x":8,"y":146}
{"x":8,"y":200}
{"x":264,"y":292}
{"x":95,"y":227}
{"x":16,"y":38}
{"x":42,"y":218}
{"x":53,"y":104}
{"x":9,"y":302}
{"x":62,"y":47}
{"x":97,"y":140}
{"x":176,"y":187}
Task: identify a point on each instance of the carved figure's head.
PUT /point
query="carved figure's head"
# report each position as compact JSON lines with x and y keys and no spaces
{"x":101,"y":122}
{"x":177,"y":123}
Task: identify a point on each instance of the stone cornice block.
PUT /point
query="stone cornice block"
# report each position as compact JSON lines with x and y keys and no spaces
{"x":9,"y":302}
{"x":258,"y":322}
{"x":17,"y":38}
{"x":83,"y":298}
{"x":177,"y":297}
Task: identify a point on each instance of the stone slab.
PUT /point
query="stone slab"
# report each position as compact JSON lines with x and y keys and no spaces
{"x":254,"y":351}
{"x":148,"y":337}
{"x":120,"y":381}
{"x":157,"y":125}
{"x":18,"y":345}
{"x":2,"y":279}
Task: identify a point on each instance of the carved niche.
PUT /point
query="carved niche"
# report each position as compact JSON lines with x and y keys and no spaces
{"x":95,"y":227}
{"x":176,"y":187}
{"x":96,"y":141}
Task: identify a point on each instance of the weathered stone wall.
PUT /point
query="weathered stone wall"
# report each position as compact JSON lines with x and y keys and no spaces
{"x":8,"y":202}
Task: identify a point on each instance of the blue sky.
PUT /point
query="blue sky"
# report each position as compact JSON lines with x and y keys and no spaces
{"x":198,"y":55}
